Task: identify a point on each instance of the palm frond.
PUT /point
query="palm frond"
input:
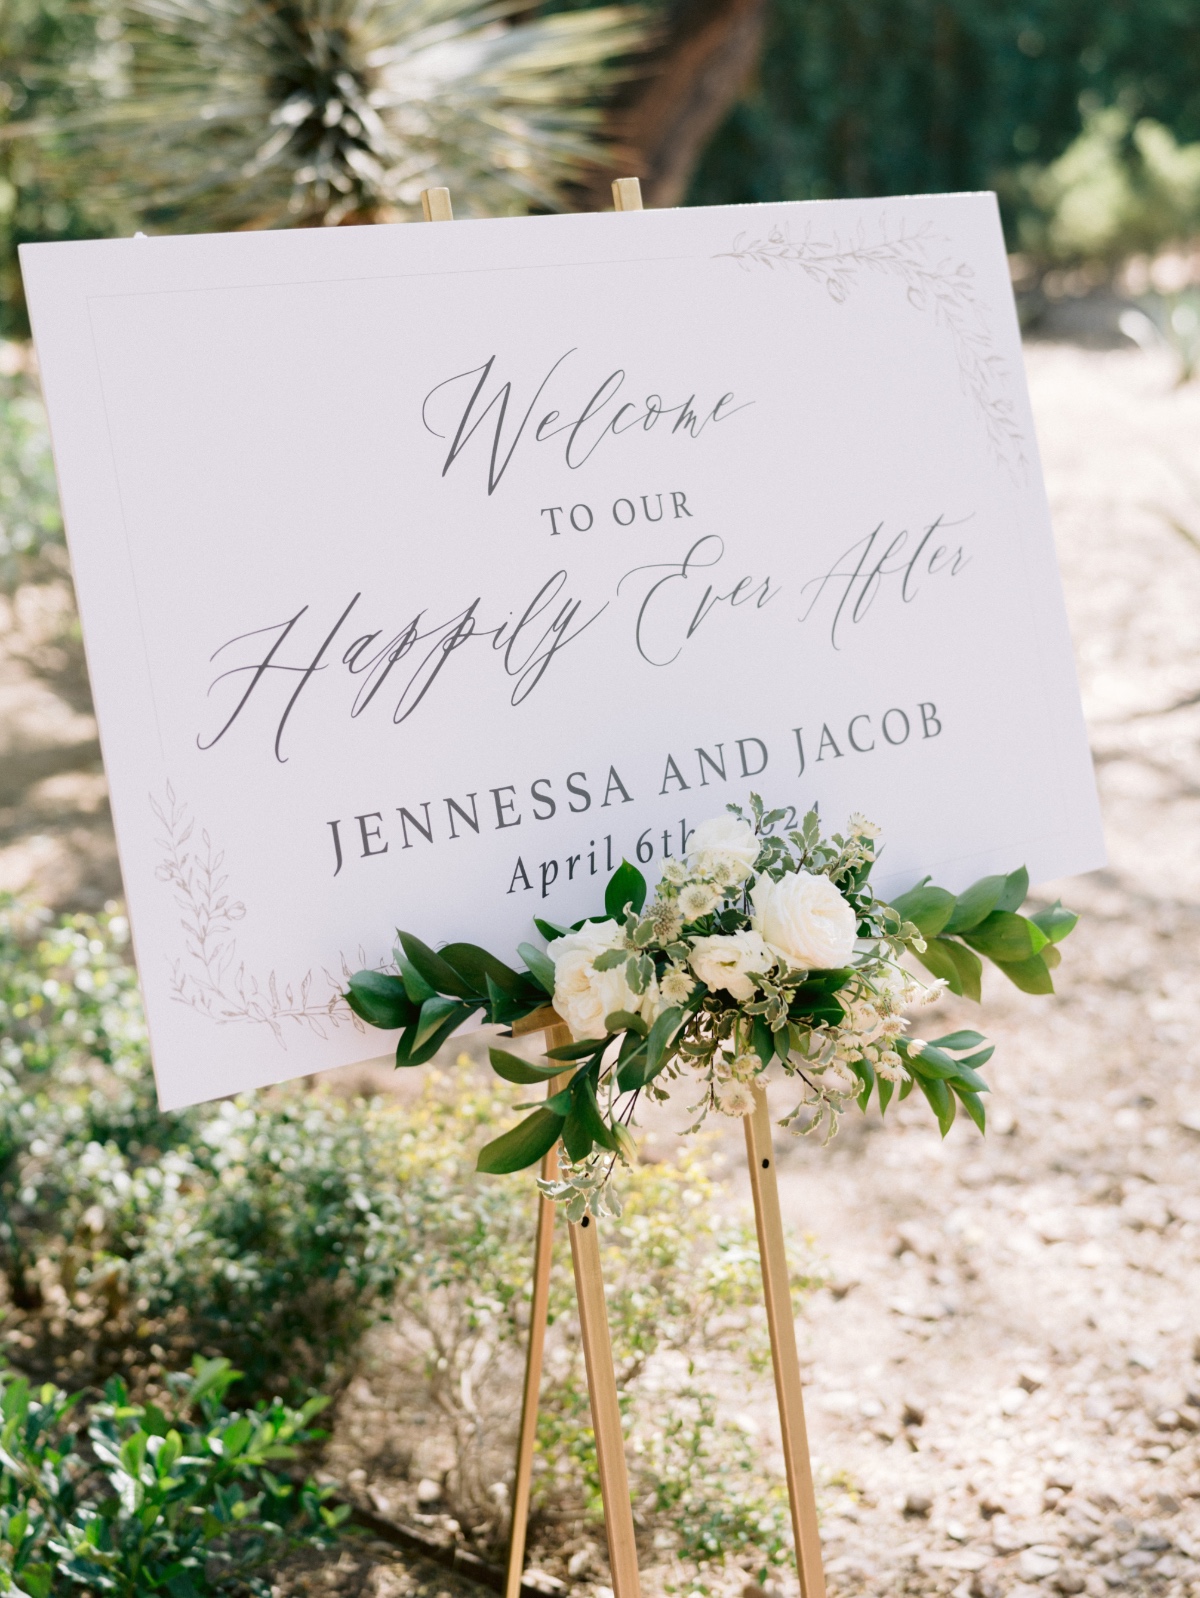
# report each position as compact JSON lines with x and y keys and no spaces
{"x":277,"y":113}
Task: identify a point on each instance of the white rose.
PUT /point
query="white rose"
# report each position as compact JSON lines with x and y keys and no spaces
{"x":725,"y":845}
{"x":731,"y":961}
{"x":583,"y":996}
{"x":805,"y":919}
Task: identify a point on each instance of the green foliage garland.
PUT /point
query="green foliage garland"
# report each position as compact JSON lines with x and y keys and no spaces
{"x":760,"y":947}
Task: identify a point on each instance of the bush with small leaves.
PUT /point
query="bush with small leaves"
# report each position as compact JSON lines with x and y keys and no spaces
{"x":268,"y":1229}
{"x":132,"y":1499}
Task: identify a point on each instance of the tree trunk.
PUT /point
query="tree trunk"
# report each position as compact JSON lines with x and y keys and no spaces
{"x":688,"y":86}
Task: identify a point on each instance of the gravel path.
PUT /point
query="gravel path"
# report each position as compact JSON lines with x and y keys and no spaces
{"x":1005,"y":1376}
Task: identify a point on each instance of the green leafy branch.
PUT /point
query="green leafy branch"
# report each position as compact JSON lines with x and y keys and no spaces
{"x":838,"y":1030}
{"x":983,"y":920}
{"x":435,"y":993}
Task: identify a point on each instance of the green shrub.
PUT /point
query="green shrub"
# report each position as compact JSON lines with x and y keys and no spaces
{"x":862,"y":97}
{"x":1121,"y":188}
{"x":131,"y":1499}
{"x":31,"y":531}
{"x":268,"y":1229}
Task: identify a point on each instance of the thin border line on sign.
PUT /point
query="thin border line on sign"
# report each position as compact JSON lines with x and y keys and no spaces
{"x":133,"y":579}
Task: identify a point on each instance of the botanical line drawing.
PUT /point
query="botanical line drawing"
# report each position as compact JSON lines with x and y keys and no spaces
{"x":934,"y":283}
{"x":211,"y":978}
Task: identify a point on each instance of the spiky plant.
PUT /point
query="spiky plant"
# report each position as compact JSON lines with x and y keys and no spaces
{"x":278,"y":113}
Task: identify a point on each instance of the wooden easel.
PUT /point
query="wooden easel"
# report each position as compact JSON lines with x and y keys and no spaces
{"x":593,"y":1314}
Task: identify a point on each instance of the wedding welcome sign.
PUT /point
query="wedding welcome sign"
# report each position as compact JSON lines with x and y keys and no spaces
{"x":428,"y":571}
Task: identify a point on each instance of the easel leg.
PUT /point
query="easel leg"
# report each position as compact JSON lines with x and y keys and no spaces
{"x":602,"y":1387}
{"x":606,"y":1412}
{"x":538,"y":1307}
{"x":760,"y":1154}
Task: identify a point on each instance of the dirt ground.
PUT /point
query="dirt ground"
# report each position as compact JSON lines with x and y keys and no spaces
{"x":1003,"y":1381}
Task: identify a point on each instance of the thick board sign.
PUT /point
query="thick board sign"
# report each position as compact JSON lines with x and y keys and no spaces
{"x":428,"y":571}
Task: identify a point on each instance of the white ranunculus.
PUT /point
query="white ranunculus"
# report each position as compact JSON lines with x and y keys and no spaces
{"x":735,"y":1098}
{"x":583,"y":996}
{"x":697,"y":899}
{"x":677,"y":986}
{"x":731,"y":961}
{"x":805,"y":919}
{"x":724,"y":845}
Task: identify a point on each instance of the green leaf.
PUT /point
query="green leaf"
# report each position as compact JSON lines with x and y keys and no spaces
{"x":661,"y":1034}
{"x":973,"y":1105}
{"x":476,"y":965}
{"x":154,"y":1422}
{"x":975,"y":904}
{"x":626,"y":886}
{"x":525,"y":1145}
{"x":381,"y":1000}
{"x":1015,"y":890}
{"x":37,"y":1580}
{"x":210,"y":1378}
{"x":958,"y":1040}
{"x":550,"y":929}
{"x":941,"y":1102}
{"x":1005,"y":936}
{"x":541,"y":966}
{"x":825,"y":1009}
{"x":235,"y":1437}
{"x":956,"y":965}
{"x":928,"y":1063}
{"x":820,"y":984}
{"x":578,"y":1051}
{"x":439,"y":973}
{"x":927,"y":907}
{"x":631,"y":1071}
{"x":503,"y":1008}
{"x":434,"y":1013}
{"x":978,"y":1061}
{"x":577,"y":1138}
{"x":513,"y":1069}
{"x":412,"y":1051}
{"x":1055,"y":922}
{"x":626,"y":1021}
{"x":415,"y":984}
{"x":865,"y":1072}
{"x":764,"y":1040}
{"x":968,"y":1078}
{"x":886,"y":1088}
{"x":584,"y":1125}
{"x":1031,"y":976}
{"x":611,"y":959}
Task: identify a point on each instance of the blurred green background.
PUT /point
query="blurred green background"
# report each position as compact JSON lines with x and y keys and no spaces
{"x":169,"y":114}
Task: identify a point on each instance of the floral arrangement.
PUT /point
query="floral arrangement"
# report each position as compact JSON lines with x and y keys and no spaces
{"x":758,"y":948}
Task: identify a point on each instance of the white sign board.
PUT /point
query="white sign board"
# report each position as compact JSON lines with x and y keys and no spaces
{"x":426,"y":571}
